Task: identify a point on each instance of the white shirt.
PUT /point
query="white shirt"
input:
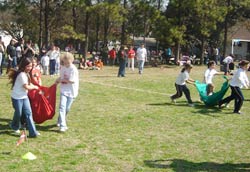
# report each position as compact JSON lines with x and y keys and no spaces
{"x":45,"y":60}
{"x":228,"y":60}
{"x":53,"y":54}
{"x":182,"y":78}
{"x":70,"y":73}
{"x":209,"y":74}
{"x":19,"y":92}
{"x":240,"y":79}
{"x":141,"y":54}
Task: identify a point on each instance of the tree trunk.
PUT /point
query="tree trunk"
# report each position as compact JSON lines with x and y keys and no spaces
{"x":74,"y":18}
{"x":177,"y":52}
{"x":41,"y":26}
{"x":97,"y":33}
{"x":123,"y":37}
{"x":106,"y":26}
{"x":46,"y":23}
{"x":86,"y":42}
{"x":202,"y":51}
{"x":225,"y":31}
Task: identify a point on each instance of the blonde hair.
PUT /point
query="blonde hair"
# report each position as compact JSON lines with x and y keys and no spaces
{"x":67,"y":57}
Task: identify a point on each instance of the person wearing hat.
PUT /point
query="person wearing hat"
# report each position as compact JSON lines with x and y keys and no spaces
{"x":238,"y":81}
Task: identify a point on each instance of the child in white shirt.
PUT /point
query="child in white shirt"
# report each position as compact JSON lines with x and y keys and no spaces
{"x":69,"y":80}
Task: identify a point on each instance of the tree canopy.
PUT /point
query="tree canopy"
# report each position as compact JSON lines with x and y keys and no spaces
{"x":181,"y":23}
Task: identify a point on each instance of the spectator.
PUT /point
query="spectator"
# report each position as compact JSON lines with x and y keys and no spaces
{"x":112,"y":56}
{"x":131,"y":58}
{"x":141,"y":55}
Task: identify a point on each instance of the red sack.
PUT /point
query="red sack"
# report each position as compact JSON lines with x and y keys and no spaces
{"x":43,"y":103}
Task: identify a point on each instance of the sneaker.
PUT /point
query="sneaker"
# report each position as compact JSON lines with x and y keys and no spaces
{"x":191,"y":104}
{"x":173,"y":100}
{"x":15,"y":131}
{"x":63,"y":129}
{"x":239,"y":112}
{"x":219,"y":105}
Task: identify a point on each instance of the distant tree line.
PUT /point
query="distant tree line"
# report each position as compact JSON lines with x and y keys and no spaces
{"x":179,"y":24}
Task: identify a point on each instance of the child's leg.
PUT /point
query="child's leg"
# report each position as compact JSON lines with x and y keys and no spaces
{"x":178,"y":93}
{"x":65,"y":104}
{"x":187,"y":93}
{"x":239,"y":98}
{"x":29,"y":118}
{"x":17,"y":105}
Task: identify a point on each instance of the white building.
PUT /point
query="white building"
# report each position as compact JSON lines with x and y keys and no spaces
{"x":239,"y":41}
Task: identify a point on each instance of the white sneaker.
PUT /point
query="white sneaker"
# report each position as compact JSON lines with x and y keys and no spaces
{"x":63,"y":129}
{"x":17,"y":131}
{"x":191,"y":104}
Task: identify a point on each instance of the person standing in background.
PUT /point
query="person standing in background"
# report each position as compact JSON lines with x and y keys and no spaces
{"x":2,"y":50}
{"x":141,"y":55}
{"x":122,"y":61}
{"x":131,"y":58}
{"x":11,"y":52}
{"x":112,"y":57}
{"x":53,"y":54}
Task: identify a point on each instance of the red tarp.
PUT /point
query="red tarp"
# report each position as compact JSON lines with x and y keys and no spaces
{"x":43,"y":103}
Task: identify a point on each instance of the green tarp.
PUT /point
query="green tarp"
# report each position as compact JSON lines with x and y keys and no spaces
{"x":213,"y":99}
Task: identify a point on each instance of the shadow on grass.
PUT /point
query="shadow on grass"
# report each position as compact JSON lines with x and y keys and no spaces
{"x":5,"y":129}
{"x":180,"y":165}
{"x":202,"y":109}
{"x":199,"y":108}
{"x":169,"y":104}
{"x":4,"y":126}
{"x":48,"y":128}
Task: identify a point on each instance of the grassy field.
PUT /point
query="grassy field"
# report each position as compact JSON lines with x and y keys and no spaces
{"x":130,"y":125}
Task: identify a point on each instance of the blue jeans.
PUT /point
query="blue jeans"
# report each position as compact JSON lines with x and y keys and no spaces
{"x":65,"y":104}
{"x":22,"y":106}
{"x":52,"y":67}
{"x":122,"y":67}
{"x":14,"y":62}
{"x":141,"y":65}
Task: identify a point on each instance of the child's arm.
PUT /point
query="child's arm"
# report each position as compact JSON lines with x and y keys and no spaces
{"x":63,"y":81}
{"x":190,"y":81}
{"x":30,"y":86}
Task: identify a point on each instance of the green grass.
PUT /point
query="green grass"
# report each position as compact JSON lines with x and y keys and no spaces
{"x":130,"y":125}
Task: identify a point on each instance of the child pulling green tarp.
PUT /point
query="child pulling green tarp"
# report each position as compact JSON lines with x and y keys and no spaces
{"x":213,"y":99}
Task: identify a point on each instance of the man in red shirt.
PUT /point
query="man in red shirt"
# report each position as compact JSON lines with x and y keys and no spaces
{"x":112,"y":56}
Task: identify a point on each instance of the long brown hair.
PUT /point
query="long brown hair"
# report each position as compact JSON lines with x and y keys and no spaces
{"x":13,"y":73}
